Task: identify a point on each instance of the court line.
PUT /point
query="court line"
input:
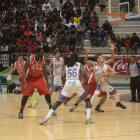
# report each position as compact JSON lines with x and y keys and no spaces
{"x":99,"y":137}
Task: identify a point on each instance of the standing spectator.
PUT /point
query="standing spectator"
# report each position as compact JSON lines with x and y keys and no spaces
{"x":102,"y":4}
{"x":134,"y":42}
{"x":107,"y":27}
{"x":103,"y":37}
{"x":126,"y":42}
{"x":134,"y":69}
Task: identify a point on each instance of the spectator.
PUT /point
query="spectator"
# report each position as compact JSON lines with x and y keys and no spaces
{"x":93,"y":23}
{"x":72,"y":26}
{"x":52,"y":3}
{"x":14,"y":28}
{"x":134,"y":42}
{"x":61,"y":5}
{"x":29,"y":44}
{"x":31,"y":25}
{"x":50,"y":43}
{"x":86,"y":10}
{"x":102,"y":4}
{"x":91,"y":4}
{"x":70,"y":13}
{"x":103,"y":37}
{"x":68,"y":4}
{"x":34,"y":46}
{"x":86,"y":19}
{"x":78,"y":11}
{"x":83,"y":2}
{"x":28,"y":33}
{"x":77,"y":3}
{"x":79,"y":42}
{"x":95,"y":17}
{"x":40,"y":25}
{"x":4,"y":48}
{"x":81,"y":28}
{"x":45,"y":5}
{"x":72,"y":43}
{"x":64,"y":48}
{"x":77,"y":19}
{"x":39,"y":37}
{"x":107,"y":27}
{"x":127,"y":42}
{"x":119,"y":43}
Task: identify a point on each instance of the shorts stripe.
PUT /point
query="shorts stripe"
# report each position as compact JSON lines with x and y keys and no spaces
{"x":63,"y":98}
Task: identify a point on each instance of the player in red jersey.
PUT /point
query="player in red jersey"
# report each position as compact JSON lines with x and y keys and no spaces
{"x":19,"y":65}
{"x":35,"y":76}
{"x":89,"y":65}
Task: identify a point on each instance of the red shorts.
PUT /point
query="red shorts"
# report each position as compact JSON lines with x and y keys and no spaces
{"x":40,"y":84}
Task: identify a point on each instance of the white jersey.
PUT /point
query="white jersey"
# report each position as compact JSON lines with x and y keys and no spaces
{"x":73,"y":73}
{"x":57,"y":66}
{"x":99,"y":71}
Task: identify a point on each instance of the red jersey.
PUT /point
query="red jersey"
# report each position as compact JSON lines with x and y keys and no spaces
{"x":20,"y":68}
{"x":35,"y":68}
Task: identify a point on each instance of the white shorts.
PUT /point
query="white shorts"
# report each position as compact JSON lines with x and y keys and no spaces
{"x":56,"y":82}
{"x":106,"y":88}
{"x":70,"y":87}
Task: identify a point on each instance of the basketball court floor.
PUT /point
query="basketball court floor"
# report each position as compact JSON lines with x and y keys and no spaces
{"x":113,"y":124}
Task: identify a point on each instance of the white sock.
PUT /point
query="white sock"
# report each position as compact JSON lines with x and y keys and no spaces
{"x":117,"y":97}
{"x":95,"y":95}
{"x":88,"y":111}
{"x":49,"y":114}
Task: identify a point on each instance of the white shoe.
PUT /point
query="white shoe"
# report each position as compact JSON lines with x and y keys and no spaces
{"x":89,"y":121}
{"x":42,"y":122}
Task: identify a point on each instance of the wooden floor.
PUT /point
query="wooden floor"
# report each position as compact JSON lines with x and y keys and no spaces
{"x":113,"y":124}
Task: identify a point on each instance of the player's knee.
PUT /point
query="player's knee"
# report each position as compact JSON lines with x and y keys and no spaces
{"x":88,"y":103}
{"x":57,"y":104}
{"x":48,"y":98}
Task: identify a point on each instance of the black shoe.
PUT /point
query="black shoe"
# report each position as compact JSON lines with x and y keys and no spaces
{"x":98,"y":109}
{"x":72,"y":108}
{"x":120,"y":105}
{"x":20,"y":115}
{"x":132,"y":101}
{"x":54,"y":114}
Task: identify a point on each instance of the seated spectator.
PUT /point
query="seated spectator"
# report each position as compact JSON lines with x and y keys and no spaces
{"x":103,"y":37}
{"x":134,"y":42}
{"x":52,"y":3}
{"x":86,"y":10}
{"x":14,"y":28}
{"x":72,"y":43}
{"x":4,"y":48}
{"x":91,"y":4}
{"x":46,"y":48}
{"x":79,"y":42}
{"x":83,"y":2}
{"x":81,"y":28}
{"x":62,"y":39}
{"x":34,"y":46}
{"x":22,"y":27}
{"x":50,"y":43}
{"x":127,"y":42}
{"x":29,"y":44}
{"x":77,"y":19}
{"x":70,"y":13}
{"x":31,"y":25}
{"x":64,"y":48}
{"x":93,"y":23}
{"x":28,"y":33}
{"x":24,"y":48}
{"x":40,"y":25}
{"x":72,"y":26}
{"x":61,"y":5}
{"x":107,"y":27}
{"x":44,"y":38}
{"x":86,"y":19}
{"x":68,"y":4}
{"x":95,"y":17}
{"x":78,"y":11}
{"x":94,"y":37}
{"x":118,"y":43}
{"x":45,"y":5}
{"x":38,"y":37}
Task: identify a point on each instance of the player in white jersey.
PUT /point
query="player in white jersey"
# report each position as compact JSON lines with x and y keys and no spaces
{"x":55,"y":69}
{"x":102,"y":71}
{"x":71,"y":80}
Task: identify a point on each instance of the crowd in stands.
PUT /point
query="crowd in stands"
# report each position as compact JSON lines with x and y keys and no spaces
{"x":28,"y":24}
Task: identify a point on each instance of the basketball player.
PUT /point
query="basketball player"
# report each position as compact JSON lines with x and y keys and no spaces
{"x":71,"y":80}
{"x":35,"y":76}
{"x":19,"y":65}
{"x":102,"y":72}
{"x":55,"y":68}
{"x":89,"y":66}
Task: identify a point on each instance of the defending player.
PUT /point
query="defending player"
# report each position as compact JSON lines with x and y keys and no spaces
{"x":19,"y":65}
{"x":55,"y":68}
{"x":35,"y":76}
{"x":102,"y":71}
{"x":71,"y":80}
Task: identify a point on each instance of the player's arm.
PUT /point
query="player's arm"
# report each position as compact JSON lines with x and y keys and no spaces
{"x":63,"y":76}
{"x":12,"y":70}
{"x":97,"y":79}
{"x":112,"y":47}
{"x":63,"y":65}
{"x":45,"y":74}
{"x":50,"y":67}
{"x":86,"y":57}
{"x":111,"y":71}
{"x":26,"y":66}
{"x":83,"y":72}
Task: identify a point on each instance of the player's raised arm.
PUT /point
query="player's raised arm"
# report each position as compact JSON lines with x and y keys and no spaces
{"x":50,"y":67}
{"x":26,"y":66}
{"x":111,"y":71}
{"x":83,"y":72}
{"x":12,"y":70}
{"x":112,"y":47}
{"x":63,"y":76}
{"x":45,"y":74}
{"x":86,"y":58}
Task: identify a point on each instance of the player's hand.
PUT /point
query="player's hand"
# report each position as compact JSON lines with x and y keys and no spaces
{"x":88,"y":49}
{"x":112,"y":46}
{"x":25,"y":87}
